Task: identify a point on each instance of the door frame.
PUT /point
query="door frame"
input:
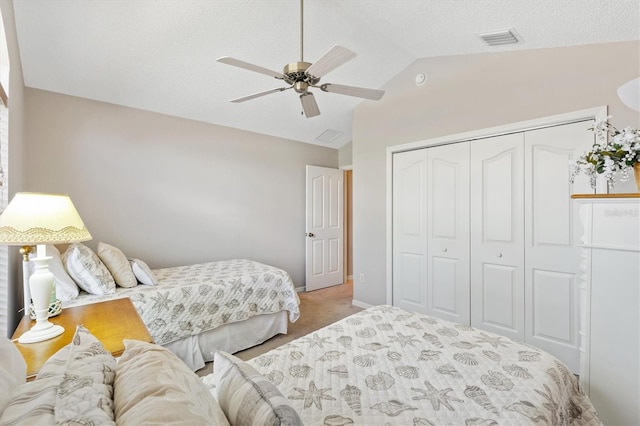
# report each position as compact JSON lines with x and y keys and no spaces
{"x":597,"y":113}
{"x":345,"y":236}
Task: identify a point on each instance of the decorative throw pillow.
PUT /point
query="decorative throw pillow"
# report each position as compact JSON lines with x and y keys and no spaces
{"x":66,"y":287}
{"x":117,"y":263}
{"x":87,"y":270}
{"x":85,"y":395}
{"x":13,"y":370}
{"x":142,"y":272}
{"x":153,"y":386}
{"x":247,"y":397}
{"x":74,"y":386}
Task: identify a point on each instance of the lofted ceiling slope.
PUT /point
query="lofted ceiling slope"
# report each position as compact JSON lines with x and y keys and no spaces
{"x":160,"y":55}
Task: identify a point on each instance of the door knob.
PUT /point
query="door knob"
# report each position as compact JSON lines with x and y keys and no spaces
{"x":310,"y":234}
{"x":444,"y":250}
{"x":499,"y":254}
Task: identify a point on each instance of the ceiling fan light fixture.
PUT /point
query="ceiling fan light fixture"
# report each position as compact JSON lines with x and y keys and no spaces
{"x":500,"y":37}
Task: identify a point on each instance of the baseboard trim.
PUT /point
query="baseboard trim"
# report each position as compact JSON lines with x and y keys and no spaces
{"x":360,"y":304}
{"x":300,"y":289}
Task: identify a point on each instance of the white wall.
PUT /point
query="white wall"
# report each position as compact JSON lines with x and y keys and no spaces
{"x":465,"y":93}
{"x":168,"y":190}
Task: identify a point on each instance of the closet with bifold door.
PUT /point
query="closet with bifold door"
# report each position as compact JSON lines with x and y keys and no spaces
{"x":484,"y":233}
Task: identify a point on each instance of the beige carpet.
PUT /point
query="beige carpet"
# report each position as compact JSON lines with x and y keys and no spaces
{"x":317,"y":309}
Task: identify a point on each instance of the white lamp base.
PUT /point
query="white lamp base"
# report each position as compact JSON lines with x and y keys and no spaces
{"x":41,"y":284}
{"x":41,"y":331}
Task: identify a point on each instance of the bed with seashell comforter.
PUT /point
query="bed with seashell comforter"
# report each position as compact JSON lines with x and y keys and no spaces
{"x":385,"y":365}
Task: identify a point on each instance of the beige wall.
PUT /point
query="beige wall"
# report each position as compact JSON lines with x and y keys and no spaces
{"x":465,"y":93}
{"x":172,"y":191}
{"x":15,"y":175}
{"x":345,"y":155}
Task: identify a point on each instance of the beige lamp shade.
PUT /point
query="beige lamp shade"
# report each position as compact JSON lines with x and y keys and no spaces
{"x":35,"y":218}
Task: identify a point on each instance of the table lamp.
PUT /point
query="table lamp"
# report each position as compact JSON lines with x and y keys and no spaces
{"x":41,"y":219}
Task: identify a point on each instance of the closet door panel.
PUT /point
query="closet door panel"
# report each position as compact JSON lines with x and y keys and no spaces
{"x":410,"y":230}
{"x":551,"y":227}
{"x":448,"y":232}
{"x":497,"y":235}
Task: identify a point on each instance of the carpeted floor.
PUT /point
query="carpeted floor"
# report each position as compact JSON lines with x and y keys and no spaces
{"x":317,"y":309}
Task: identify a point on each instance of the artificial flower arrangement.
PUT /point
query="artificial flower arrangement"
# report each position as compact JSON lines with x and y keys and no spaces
{"x":613,"y":150}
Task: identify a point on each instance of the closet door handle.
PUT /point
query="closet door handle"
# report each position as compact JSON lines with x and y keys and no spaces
{"x":310,"y":234}
{"x":499,"y":254}
{"x":444,"y":250}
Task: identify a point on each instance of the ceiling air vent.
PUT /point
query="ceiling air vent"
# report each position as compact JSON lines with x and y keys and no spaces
{"x":498,"y":38}
{"x":328,"y":136}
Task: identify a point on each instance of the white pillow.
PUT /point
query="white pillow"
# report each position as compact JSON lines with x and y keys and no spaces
{"x":142,"y":272}
{"x":248,"y":398}
{"x":13,"y":370}
{"x":66,"y":288}
{"x":153,"y":386}
{"x":117,"y":263}
{"x":73,"y":387}
{"x":87,"y":270}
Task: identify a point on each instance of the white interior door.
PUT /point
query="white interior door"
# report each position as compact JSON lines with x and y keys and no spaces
{"x":325,"y":228}
{"x":497,"y":235}
{"x":448,"y":232}
{"x":552,"y":225}
{"x":410,"y":230}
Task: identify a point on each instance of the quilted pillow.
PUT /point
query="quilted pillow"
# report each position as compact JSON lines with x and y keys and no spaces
{"x":247,"y":397}
{"x":66,"y":287}
{"x":142,"y":272}
{"x":153,"y":386}
{"x":74,"y":386}
{"x":117,"y":263}
{"x":87,"y":270}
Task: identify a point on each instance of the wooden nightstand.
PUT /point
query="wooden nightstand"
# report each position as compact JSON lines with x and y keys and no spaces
{"x":110,"y":322}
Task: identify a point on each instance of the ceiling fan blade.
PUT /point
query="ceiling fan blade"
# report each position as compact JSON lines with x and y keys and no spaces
{"x":251,"y":67}
{"x":309,"y":105}
{"x":359,"y":92}
{"x":331,"y":60}
{"x":257,"y":95}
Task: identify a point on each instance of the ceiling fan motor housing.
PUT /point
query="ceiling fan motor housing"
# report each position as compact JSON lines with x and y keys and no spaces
{"x":295,"y":74}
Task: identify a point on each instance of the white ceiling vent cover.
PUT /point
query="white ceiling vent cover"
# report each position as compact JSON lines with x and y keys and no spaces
{"x":498,"y":38}
{"x":328,"y":136}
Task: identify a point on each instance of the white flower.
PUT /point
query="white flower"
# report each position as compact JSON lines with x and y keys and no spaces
{"x":612,"y":151}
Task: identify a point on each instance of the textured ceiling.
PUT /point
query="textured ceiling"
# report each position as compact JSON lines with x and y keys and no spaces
{"x":160,"y":55}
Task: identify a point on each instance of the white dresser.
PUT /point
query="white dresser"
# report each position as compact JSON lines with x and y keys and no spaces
{"x":610,"y":305}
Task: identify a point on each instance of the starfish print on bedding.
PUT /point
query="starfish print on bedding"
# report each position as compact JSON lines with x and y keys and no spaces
{"x":436,"y":396}
{"x":496,"y":341}
{"x":313,"y":395}
{"x":315,"y":340}
{"x":186,"y":292}
{"x":405,"y":340}
{"x":162,"y":301}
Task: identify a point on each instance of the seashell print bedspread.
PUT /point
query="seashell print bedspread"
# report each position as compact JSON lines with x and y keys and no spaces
{"x":385,"y":365}
{"x":189,"y":300}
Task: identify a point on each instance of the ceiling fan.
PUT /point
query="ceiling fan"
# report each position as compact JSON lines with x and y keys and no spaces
{"x":303,"y":75}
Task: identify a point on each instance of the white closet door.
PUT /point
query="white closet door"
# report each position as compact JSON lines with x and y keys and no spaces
{"x":552,"y":257}
{"x":448,"y":232}
{"x":410,"y":230}
{"x":497,"y":235}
